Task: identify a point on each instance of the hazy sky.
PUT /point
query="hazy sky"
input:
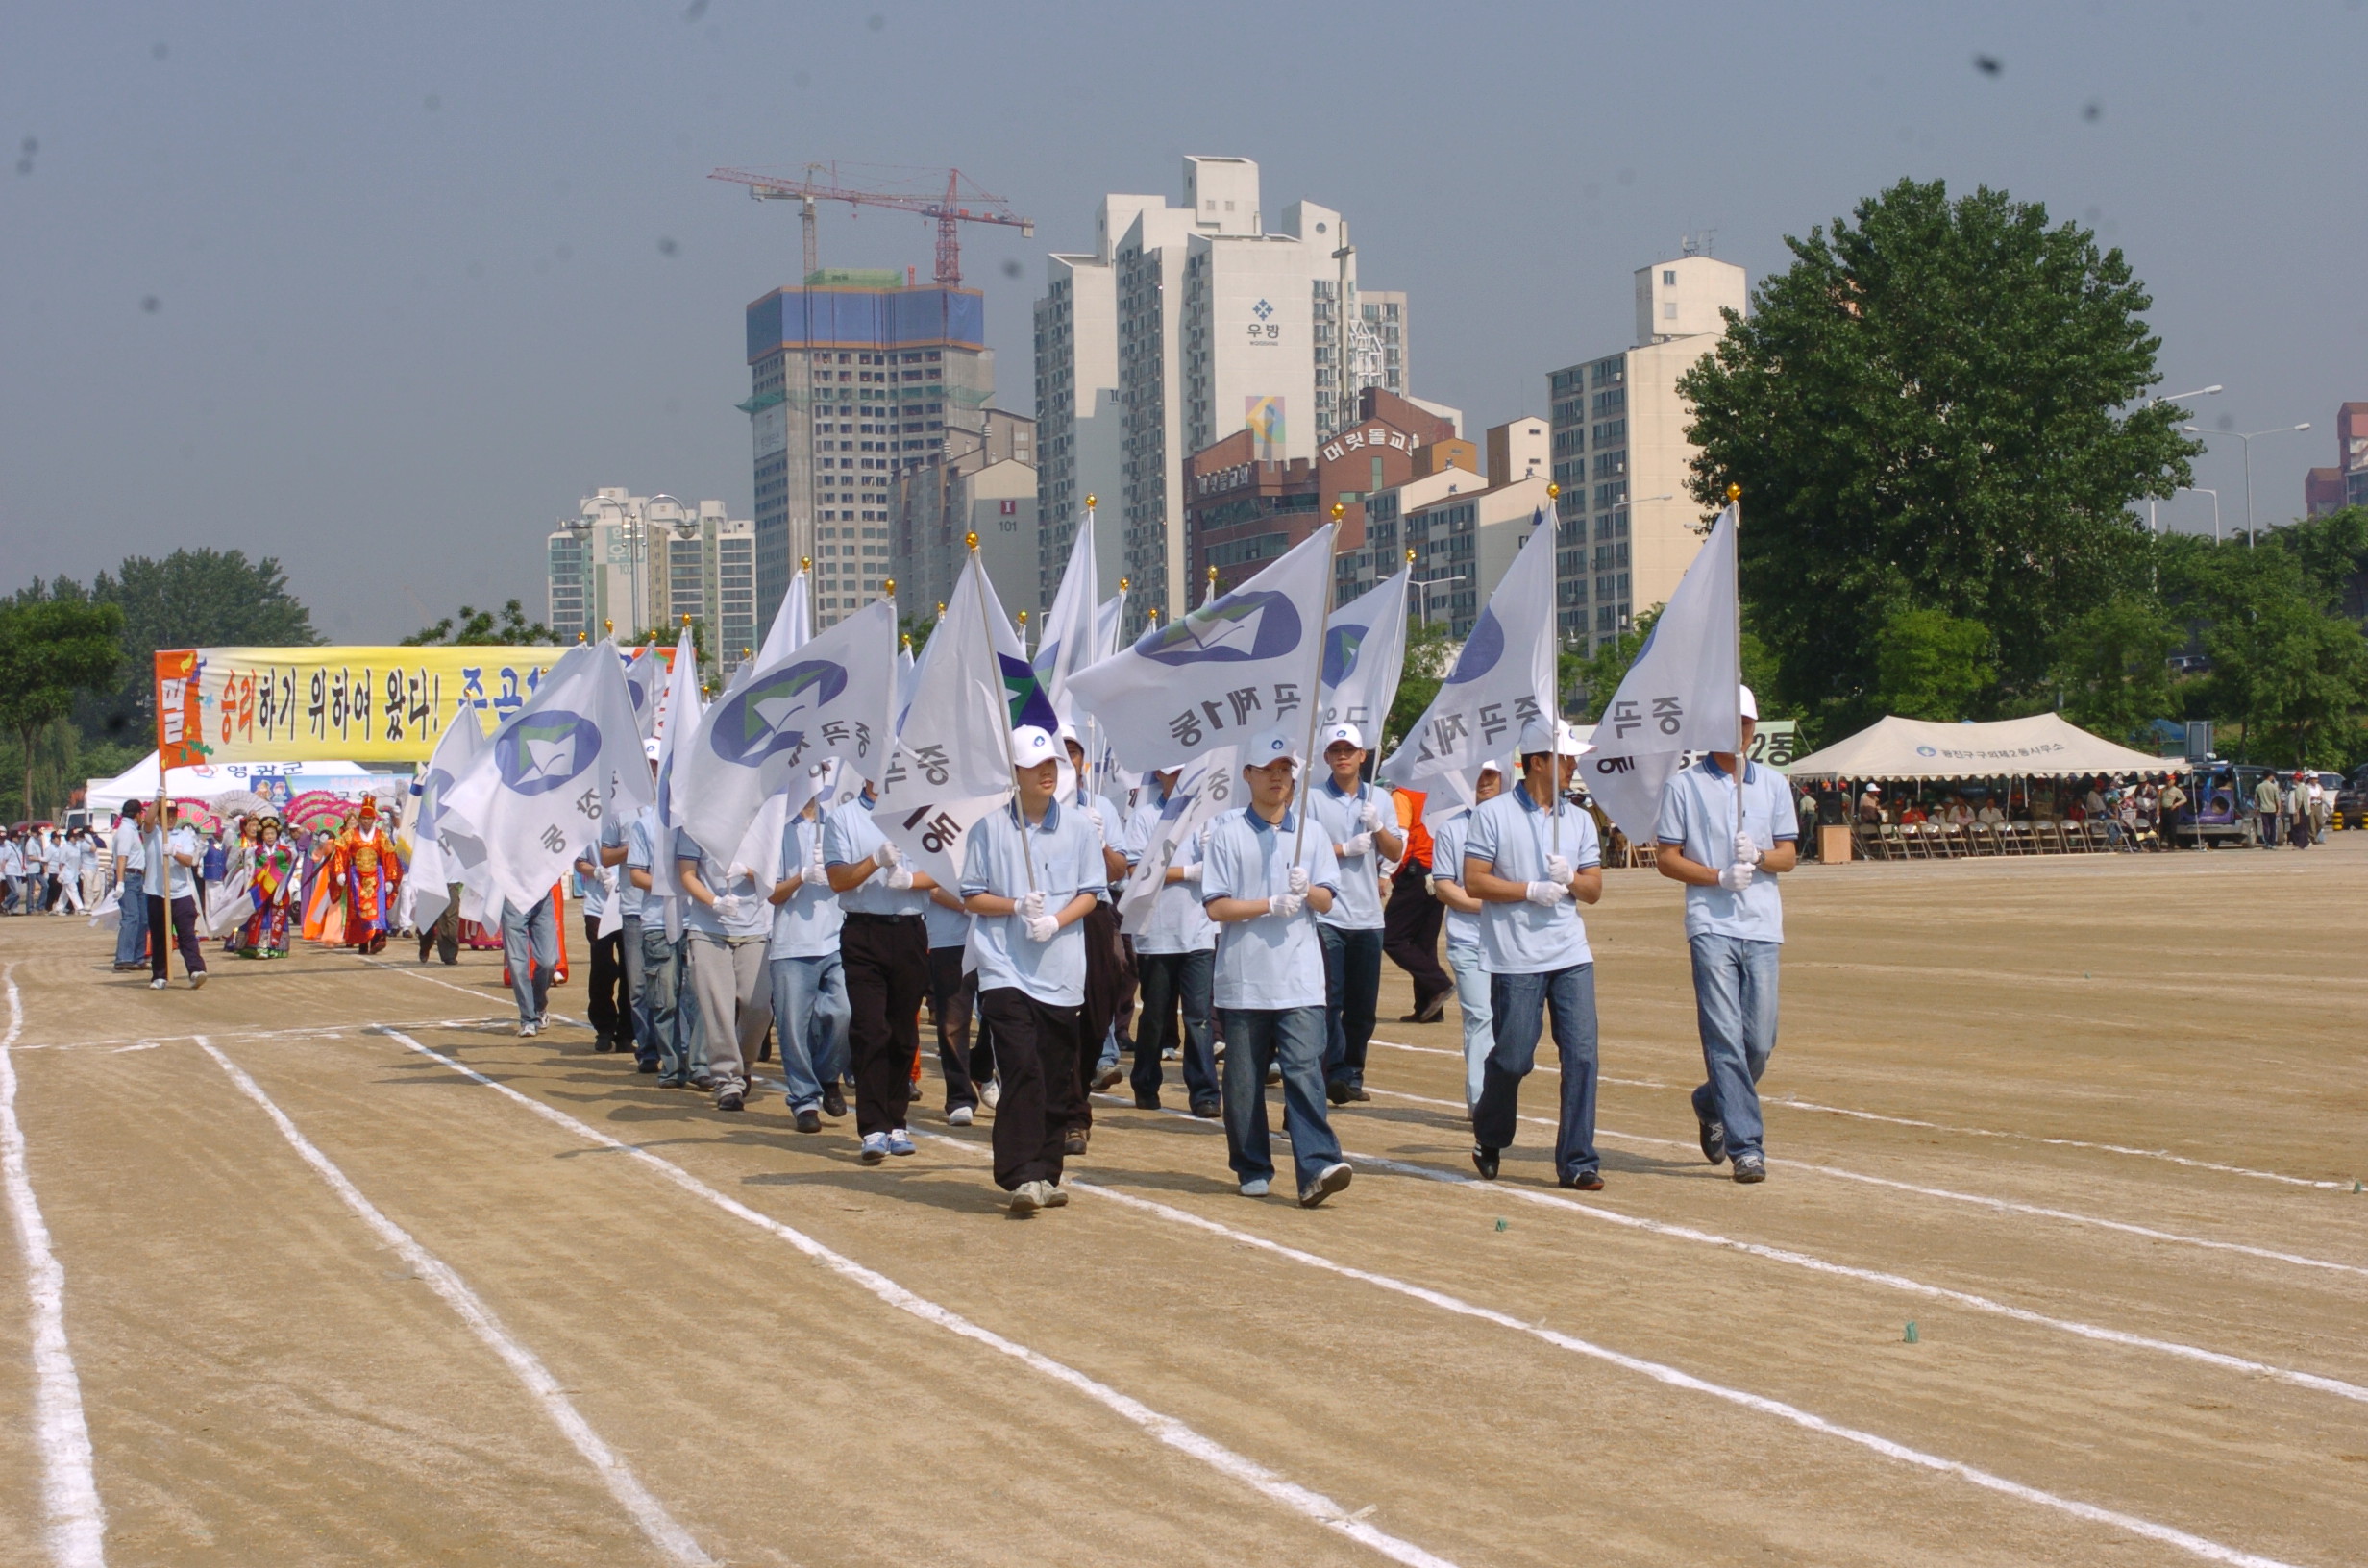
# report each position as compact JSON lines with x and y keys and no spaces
{"x":382,"y":290}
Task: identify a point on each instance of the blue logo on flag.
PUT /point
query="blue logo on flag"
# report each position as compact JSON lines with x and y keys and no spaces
{"x":756,"y":721}
{"x":1481,"y":649}
{"x":547,"y":751}
{"x":1237,"y":629}
{"x":1341,"y":645}
{"x":1024,"y":696}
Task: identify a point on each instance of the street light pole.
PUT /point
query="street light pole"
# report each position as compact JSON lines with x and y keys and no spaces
{"x":2156,"y":403}
{"x":2246,"y":437}
{"x":2215,"y":506}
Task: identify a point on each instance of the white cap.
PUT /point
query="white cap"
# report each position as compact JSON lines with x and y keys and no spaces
{"x":1751,"y":704}
{"x":1550,"y":735}
{"x":1334,"y":734}
{"x":1277,"y":745}
{"x":1068,"y":735}
{"x":1030,"y":747}
{"x":1492,"y":766}
{"x":651,"y":748}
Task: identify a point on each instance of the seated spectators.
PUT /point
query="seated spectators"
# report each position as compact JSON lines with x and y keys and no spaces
{"x":1990,"y":816}
{"x":1912,"y":815}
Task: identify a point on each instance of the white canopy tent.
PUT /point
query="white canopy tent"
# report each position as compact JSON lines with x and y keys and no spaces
{"x":273,"y":780}
{"x":2043,"y":746}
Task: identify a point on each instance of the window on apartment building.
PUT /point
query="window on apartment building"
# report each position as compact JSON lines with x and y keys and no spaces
{"x":1669,"y":278}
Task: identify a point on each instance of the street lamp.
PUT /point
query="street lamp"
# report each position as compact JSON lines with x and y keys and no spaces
{"x":2246,"y":437}
{"x":1425,"y":584}
{"x":2215,"y":506}
{"x":2156,"y":403}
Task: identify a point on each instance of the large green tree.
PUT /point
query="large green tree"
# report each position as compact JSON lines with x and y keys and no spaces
{"x":2113,"y":667}
{"x":2287,"y":668}
{"x":51,"y":650}
{"x":505,"y":628}
{"x":1940,"y":406}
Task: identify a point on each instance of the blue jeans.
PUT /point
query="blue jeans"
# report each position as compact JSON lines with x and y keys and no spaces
{"x":1522,"y":1003}
{"x":1352,"y":985}
{"x":658,"y":1004}
{"x":1471,"y":1000}
{"x":809,"y":1021}
{"x":1254,"y":1038}
{"x":1734,"y":1009}
{"x":1174,"y":983}
{"x":132,"y":927}
{"x":530,"y":935}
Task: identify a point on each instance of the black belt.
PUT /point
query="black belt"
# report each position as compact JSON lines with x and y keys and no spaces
{"x":856,"y":916}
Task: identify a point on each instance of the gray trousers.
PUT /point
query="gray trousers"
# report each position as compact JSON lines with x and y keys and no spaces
{"x":734,"y":988}
{"x":530,"y":948}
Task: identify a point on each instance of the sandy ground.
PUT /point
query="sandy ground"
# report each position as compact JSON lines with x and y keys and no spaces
{"x":2093,"y":1124}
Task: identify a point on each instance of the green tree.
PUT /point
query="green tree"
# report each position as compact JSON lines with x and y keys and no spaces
{"x":2333,"y":554}
{"x":1939,"y":405}
{"x":1931,"y":665}
{"x":2286,"y":669}
{"x":506,"y":628}
{"x":2113,"y":667}
{"x":1430,"y":653}
{"x":50,"y":652}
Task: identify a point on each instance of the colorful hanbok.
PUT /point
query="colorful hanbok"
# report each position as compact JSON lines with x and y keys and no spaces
{"x":271,"y":889}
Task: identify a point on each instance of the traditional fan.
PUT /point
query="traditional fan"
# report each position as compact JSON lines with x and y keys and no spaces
{"x":198,"y":814}
{"x":243,"y":803}
{"x":314,"y":807}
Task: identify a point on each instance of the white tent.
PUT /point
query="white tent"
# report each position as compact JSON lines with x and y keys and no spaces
{"x":2042,"y":745}
{"x":273,"y":780}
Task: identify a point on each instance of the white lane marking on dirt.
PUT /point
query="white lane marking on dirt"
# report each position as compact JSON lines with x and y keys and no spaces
{"x":1306,"y":1502}
{"x":2199,"y":1546}
{"x":1790,"y":1103}
{"x":1977,"y":1200}
{"x":650,"y":1514}
{"x":77,"y":1528}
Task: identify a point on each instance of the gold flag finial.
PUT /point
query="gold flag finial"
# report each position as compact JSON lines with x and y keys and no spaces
{"x":1088,"y":502}
{"x":1410,"y":555}
{"x":686,"y":618}
{"x":1735,"y":493}
{"x":608,"y":625}
{"x":1123,"y":585}
{"x":1338,"y":510}
{"x":805,"y":563}
{"x":888,"y":586}
{"x":1552,"y":490}
{"x":971,"y":540}
{"x":1023,"y":619}
{"x":579,"y":637}
{"x":908,"y":641}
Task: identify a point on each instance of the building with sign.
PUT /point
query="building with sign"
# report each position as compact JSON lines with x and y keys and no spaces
{"x":635,"y":563}
{"x":984,"y":483}
{"x":1185,"y":325}
{"x":1627,"y":527}
{"x":2327,"y":490}
{"x":856,"y":377}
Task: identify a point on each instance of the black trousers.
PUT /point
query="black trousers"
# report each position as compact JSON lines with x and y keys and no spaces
{"x":1410,"y":932}
{"x":1108,"y":978}
{"x":611,"y":1006}
{"x":1036,"y":1047}
{"x":184,"y":938}
{"x":886,"y":960}
{"x":953,"y":998}
{"x":444,"y":936}
{"x":1173,"y":981}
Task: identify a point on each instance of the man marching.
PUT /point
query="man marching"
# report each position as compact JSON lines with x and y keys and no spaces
{"x":1531,"y":858}
{"x":1463,"y":917}
{"x":1176,"y":950}
{"x":1264,"y":883}
{"x":1031,"y":871}
{"x":1359,"y":821}
{"x":1734,"y":924}
{"x":884,"y":952}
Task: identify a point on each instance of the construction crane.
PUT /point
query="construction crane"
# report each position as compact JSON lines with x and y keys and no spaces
{"x":821,"y":183}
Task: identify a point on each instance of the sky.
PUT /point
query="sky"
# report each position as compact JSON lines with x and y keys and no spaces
{"x":382,"y":291}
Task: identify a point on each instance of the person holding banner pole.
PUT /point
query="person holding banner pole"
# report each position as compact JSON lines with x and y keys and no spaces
{"x":171,"y":877}
{"x":1359,"y":822}
{"x":1463,"y":913}
{"x":1109,"y":976}
{"x":1175,"y":952}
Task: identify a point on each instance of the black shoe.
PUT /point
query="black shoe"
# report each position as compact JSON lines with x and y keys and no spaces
{"x":1750,"y":1168}
{"x":1074,"y":1143}
{"x":1583,"y":1180}
{"x":1432,"y":1010}
{"x":1484,"y":1160}
{"x":732,"y":1099}
{"x":809,"y":1121}
{"x":834,"y":1103}
{"x":1357,"y":1091}
{"x":1147,"y":1102}
{"x":670,"y":1083}
{"x":603,"y":1044}
{"x":1714,"y":1141}
{"x":764,"y":1052}
{"x":645,"y":1066}
{"x":1208,"y":1110}
{"x":1338,"y":1093}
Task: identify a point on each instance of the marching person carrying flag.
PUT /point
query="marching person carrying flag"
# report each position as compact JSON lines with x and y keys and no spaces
{"x":884,"y":949}
{"x":729,"y":921}
{"x":1176,"y":950}
{"x":809,"y":985}
{"x":1530,"y":858}
{"x":1031,"y":871}
{"x":1464,"y":914}
{"x":1734,"y":924}
{"x":1359,"y":822}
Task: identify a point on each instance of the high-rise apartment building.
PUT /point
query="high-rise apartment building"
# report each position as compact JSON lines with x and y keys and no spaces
{"x":1184,"y":324}
{"x":856,"y":377}
{"x":983,"y":483}
{"x":1626,"y":529}
{"x":636,"y":563}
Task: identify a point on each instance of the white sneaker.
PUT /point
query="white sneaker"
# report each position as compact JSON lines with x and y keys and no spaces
{"x":875,"y":1148}
{"x":1056,"y":1196}
{"x":156,"y":985}
{"x":1026,"y":1198}
{"x":958,"y":1116}
{"x":526,"y":1030}
{"x":197,"y":981}
{"x":994,"y":1094}
{"x":1254,"y":1187}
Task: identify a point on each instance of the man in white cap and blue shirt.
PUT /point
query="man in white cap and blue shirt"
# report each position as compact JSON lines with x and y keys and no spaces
{"x":884,"y":949}
{"x":1175,"y":955}
{"x":1463,"y":918}
{"x":1531,"y":858}
{"x":1734,"y":924}
{"x":1264,"y":883}
{"x":810,"y":983}
{"x":1359,"y":822}
{"x":1031,"y":870}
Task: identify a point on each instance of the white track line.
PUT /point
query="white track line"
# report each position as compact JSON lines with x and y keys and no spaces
{"x":1303,"y":1501}
{"x":656,"y":1523}
{"x":1789,"y":1103}
{"x":69,"y":1490}
{"x":2209,"y":1550}
{"x":1977,"y":1200}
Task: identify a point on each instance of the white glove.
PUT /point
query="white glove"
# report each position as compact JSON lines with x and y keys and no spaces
{"x":1029,"y":905}
{"x":888,"y":856}
{"x":1735,"y":878}
{"x":1558,"y":868}
{"x":1287,"y":904}
{"x":1042,"y":927}
{"x":1746,"y":852}
{"x":1369,"y":815}
{"x":1357,"y":848}
{"x":1093,"y":814}
{"x":1296,"y":882}
{"x":729,"y":907}
{"x":737,"y":872}
{"x":1188,"y":870}
{"x":1547,"y":893}
{"x":815,"y":860}
{"x":900,"y":878}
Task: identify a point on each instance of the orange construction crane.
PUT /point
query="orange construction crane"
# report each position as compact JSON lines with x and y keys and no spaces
{"x":821,"y":183}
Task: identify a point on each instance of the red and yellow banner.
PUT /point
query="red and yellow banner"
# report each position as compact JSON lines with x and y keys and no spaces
{"x":301,"y":704}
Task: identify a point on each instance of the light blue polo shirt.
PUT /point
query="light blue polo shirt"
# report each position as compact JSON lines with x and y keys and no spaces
{"x":807,"y":923}
{"x":1514,"y":839}
{"x":1697,"y":815}
{"x":1067,"y":855}
{"x":641,"y":855}
{"x":1113,"y":831}
{"x":1175,"y":923}
{"x":1338,"y":815}
{"x":850,"y":837}
{"x":184,"y":877}
{"x":1269,"y":963}
{"x":947,"y":927}
{"x":1447,"y":866}
{"x":756,"y":918}
{"x":615,"y":835}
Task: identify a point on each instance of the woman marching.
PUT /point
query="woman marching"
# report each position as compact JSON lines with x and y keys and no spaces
{"x":271,"y":887}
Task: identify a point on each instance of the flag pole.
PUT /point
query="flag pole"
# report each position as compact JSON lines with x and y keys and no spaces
{"x":1315,"y":685}
{"x":1002,"y":709}
{"x":1551,"y":707}
{"x":1735,"y":575}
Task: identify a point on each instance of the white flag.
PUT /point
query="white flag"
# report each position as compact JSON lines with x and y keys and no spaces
{"x":1504,"y":679}
{"x":1069,"y":641}
{"x":1680,"y":695}
{"x":1206,"y":786}
{"x":555,"y":769}
{"x":829,"y":698}
{"x":440,"y":858}
{"x":644,"y":681}
{"x":793,"y":625}
{"x":1221,"y":674}
{"x":1364,"y":652}
{"x":680,"y":711}
{"x":908,"y":671}
{"x":1106,"y":628}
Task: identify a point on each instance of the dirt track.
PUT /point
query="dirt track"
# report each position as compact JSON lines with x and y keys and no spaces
{"x":266,"y":1380}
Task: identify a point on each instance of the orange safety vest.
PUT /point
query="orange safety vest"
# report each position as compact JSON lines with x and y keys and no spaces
{"x":1410,"y":823}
